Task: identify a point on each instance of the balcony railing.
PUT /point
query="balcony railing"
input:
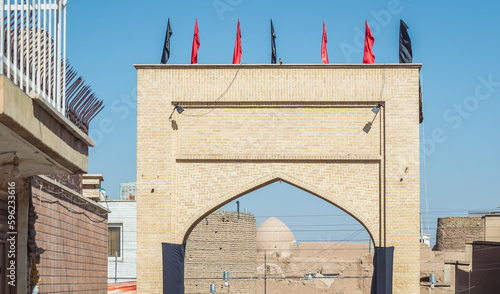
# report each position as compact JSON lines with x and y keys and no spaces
{"x":33,"y":42}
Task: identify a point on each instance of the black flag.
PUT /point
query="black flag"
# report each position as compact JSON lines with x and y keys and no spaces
{"x":405,"y":54}
{"x":273,"y":44}
{"x":166,"y":48}
{"x":420,"y":104}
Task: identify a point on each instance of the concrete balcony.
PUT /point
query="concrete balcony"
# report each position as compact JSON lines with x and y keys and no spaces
{"x":43,"y":139}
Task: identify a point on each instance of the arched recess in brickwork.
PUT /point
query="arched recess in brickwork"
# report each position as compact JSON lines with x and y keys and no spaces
{"x":217,"y":203}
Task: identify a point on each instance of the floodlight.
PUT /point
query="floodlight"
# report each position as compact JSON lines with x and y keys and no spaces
{"x":376,"y":108}
{"x":179,"y":108}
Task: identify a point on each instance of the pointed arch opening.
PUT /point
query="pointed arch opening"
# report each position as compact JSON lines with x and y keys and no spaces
{"x":328,"y":242}
{"x":267,"y":180}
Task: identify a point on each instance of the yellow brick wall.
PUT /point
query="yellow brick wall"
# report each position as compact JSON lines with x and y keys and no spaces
{"x":302,"y":124}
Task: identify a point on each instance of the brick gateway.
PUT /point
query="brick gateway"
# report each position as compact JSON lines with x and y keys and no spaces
{"x":246,"y":126}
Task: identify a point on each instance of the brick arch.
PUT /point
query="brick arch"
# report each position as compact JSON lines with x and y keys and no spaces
{"x":307,"y":125}
{"x":234,"y":194}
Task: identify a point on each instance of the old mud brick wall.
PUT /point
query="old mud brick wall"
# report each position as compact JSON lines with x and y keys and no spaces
{"x":76,"y":256}
{"x":453,"y":232}
{"x":226,"y":243}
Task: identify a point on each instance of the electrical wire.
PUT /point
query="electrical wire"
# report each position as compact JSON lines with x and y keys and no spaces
{"x":42,"y":199}
{"x":425,"y":163}
{"x":62,"y":193}
{"x":218,"y":98}
{"x":477,"y":284}
{"x":436,"y":211}
{"x":337,"y":244}
{"x":287,"y":278}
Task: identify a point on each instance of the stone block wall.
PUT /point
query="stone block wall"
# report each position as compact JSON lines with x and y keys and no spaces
{"x":453,"y":232}
{"x":222,"y":242}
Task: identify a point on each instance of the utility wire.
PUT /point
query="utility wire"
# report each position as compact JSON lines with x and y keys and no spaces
{"x":62,"y":193}
{"x":425,"y":163}
{"x":67,"y":208}
{"x":218,"y":98}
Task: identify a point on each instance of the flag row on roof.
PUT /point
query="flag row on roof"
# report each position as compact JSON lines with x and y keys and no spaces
{"x":405,"y":52}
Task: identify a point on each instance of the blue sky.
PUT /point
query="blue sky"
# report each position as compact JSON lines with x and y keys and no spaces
{"x":457,"y":43}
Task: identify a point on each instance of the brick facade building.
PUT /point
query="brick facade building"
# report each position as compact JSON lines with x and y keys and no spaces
{"x":72,"y":233}
{"x":246,"y":126}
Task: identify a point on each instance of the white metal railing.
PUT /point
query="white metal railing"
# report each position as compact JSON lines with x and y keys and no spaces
{"x":33,"y":43}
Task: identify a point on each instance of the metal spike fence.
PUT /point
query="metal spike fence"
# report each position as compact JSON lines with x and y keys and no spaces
{"x":82,"y":105}
{"x":33,"y":42}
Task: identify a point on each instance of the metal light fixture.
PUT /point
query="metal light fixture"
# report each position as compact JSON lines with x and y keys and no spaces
{"x":179,"y":109}
{"x":376,"y":109}
{"x":367,"y":127}
{"x":15,"y":172}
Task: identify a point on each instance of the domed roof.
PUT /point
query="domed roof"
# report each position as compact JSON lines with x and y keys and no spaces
{"x":273,"y":235}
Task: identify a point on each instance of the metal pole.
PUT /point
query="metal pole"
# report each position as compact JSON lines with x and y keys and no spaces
{"x":265,"y":273}
{"x":38,"y":51}
{"x":9,"y":39}
{"x":57,"y":59}
{"x":421,"y":232}
{"x":31,"y":31}
{"x":116,"y":264}
{"x":51,"y":63}
{"x":28,"y":48}
{"x":2,"y":37}
{"x":15,"y":45}
{"x":238,"y":208}
{"x":63,"y":98}
{"x":21,"y":48}
{"x":45,"y":46}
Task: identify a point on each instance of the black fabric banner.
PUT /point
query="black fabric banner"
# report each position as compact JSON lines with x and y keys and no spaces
{"x":273,"y":44}
{"x":382,"y":270}
{"x":166,"y":47}
{"x":173,"y":268}
{"x":420,"y":104}
{"x":405,"y":54}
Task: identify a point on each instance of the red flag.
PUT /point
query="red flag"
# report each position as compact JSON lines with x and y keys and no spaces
{"x":324,"y":53}
{"x":368,"y":57}
{"x":237,"y":46}
{"x":196,"y":44}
